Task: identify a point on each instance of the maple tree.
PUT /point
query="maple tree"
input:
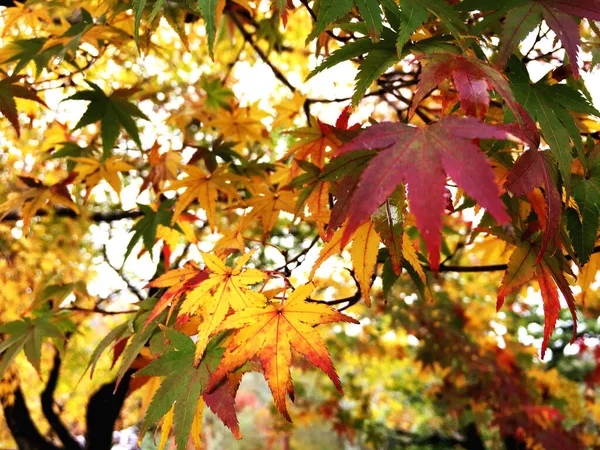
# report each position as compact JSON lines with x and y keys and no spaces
{"x":403,"y":194}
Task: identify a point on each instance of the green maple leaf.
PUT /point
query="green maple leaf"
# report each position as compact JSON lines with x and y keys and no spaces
{"x":147,"y":227}
{"x":184,"y":383}
{"x":113,"y":112}
{"x":549,"y":105}
{"x":9,"y":90}
{"x":29,"y":334}
{"x":583,"y":227}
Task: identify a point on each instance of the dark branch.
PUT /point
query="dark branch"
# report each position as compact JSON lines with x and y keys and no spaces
{"x":102,"y":413}
{"x":491,"y":267}
{"x":119,"y":271}
{"x":47,"y":400}
{"x":22,"y":428}
{"x":250,"y":40}
{"x":98,"y":311}
{"x":111,"y":216}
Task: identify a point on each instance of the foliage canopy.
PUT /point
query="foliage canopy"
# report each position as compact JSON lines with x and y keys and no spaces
{"x":444,"y":153}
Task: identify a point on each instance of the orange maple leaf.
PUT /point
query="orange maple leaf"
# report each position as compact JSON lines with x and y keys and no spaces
{"x":164,"y":168}
{"x":179,"y":281}
{"x":225,"y":287}
{"x":315,"y":142}
{"x":270,"y":333}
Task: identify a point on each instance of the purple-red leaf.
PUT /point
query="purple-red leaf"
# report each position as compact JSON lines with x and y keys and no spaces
{"x":422,"y":158}
{"x":472,"y":78}
{"x":531,"y":171}
{"x":580,"y":8}
{"x":221,"y":401}
{"x":567,"y":31}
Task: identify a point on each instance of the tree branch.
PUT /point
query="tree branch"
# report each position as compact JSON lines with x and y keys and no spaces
{"x":98,"y":311}
{"x":47,"y":400}
{"x":21,"y":426}
{"x":249,"y":39}
{"x":490,"y":267}
{"x":102,"y":413}
{"x":111,"y":216}
{"x":139,"y":294}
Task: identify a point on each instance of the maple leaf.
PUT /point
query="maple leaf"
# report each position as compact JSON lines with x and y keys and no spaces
{"x":523,"y":266}
{"x":34,"y":195}
{"x":33,"y":16}
{"x":231,"y":240}
{"x":204,"y":187}
{"x":184,"y":384}
{"x":266,"y":204}
{"x":242,"y":124}
{"x":550,"y":106}
{"x":113,"y":112}
{"x":532,"y":170}
{"x":147,"y":227}
{"x":472,"y":78}
{"x":29,"y":335}
{"x":583,"y":226}
{"x":421,"y":158}
{"x":364,"y":251}
{"x":224,"y":288}
{"x":164,"y":168}
{"x":288,"y":110}
{"x":179,"y":281}
{"x":93,"y":171}
{"x":9,"y":89}
{"x":271,"y":332}
{"x":587,"y":276}
{"x":522,"y":19}
{"x":389,"y":221}
{"x":315,"y":142}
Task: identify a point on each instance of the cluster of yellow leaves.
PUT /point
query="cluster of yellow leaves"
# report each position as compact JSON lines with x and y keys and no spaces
{"x":91,"y":171}
{"x":241,"y":125}
{"x":203,"y":187}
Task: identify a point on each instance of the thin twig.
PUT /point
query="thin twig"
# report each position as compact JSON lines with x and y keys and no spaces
{"x":250,"y":40}
{"x":139,"y":294}
{"x":98,"y":311}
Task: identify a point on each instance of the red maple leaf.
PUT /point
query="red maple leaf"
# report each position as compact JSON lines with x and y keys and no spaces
{"x":422,"y":157}
{"x":473,"y":78}
{"x":531,"y":171}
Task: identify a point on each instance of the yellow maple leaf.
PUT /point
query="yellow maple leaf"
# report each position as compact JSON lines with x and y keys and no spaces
{"x":92,"y":171}
{"x":288,"y":110}
{"x":241,"y":124}
{"x":271,"y":332}
{"x":365,"y":247}
{"x":364,"y":257}
{"x":34,"y":195}
{"x":33,"y":16}
{"x":267,"y":204}
{"x":204,"y":187}
{"x":165,"y":429}
{"x":587,"y":276}
{"x":230,"y":240}
{"x":179,"y":281}
{"x":226,"y":287}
